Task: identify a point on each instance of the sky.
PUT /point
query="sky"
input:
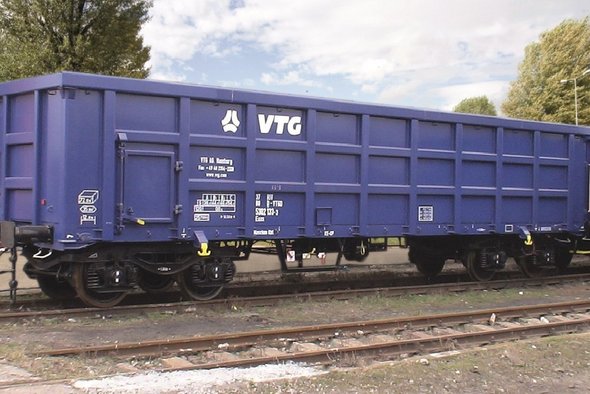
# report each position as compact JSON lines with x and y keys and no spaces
{"x":413,"y":53}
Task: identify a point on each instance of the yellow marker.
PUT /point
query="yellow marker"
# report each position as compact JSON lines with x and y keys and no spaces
{"x":204,"y":250}
{"x":141,"y":222}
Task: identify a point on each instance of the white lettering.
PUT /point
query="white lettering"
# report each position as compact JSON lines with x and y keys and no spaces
{"x":281,"y":121}
{"x":295,"y":125}
{"x":264,"y":232}
{"x":292,"y":123}
{"x":265,"y":123}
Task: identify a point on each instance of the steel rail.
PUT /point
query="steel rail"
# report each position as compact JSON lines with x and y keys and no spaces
{"x":407,"y":346}
{"x":182,"y":307}
{"x":248,"y":339}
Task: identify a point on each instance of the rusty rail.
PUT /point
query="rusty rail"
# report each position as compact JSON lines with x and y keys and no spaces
{"x":247,"y":339}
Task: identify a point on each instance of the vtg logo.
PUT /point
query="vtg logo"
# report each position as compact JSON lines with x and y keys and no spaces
{"x":293,"y":124}
{"x":230,"y":122}
{"x":280,"y":123}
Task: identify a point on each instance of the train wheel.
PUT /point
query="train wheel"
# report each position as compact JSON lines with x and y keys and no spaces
{"x":81,"y":274}
{"x":475,"y":270}
{"x":154,"y":283}
{"x":528,"y":267}
{"x":428,"y":265}
{"x":192,"y":291}
{"x":54,"y":288}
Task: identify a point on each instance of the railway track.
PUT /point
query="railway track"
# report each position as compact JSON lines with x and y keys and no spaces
{"x":330,"y":343}
{"x":183,"y":307}
{"x":273,"y":283}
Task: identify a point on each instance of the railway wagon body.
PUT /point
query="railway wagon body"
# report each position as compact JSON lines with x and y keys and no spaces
{"x":109,"y":183}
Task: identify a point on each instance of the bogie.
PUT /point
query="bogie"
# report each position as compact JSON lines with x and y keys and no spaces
{"x":482,"y":264}
{"x":204,"y":280}
{"x":101,"y":285}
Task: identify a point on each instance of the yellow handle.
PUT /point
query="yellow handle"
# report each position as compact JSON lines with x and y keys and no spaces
{"x":204,"y":250}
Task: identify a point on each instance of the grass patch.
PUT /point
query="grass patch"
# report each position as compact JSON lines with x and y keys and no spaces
{"x":380,"y":306}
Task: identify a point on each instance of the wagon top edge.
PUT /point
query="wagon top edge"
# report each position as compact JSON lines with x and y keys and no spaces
{"x":76,"y":80}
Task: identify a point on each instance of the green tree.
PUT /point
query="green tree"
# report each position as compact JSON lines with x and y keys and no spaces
{"x":97,"y":36}
{"x":544,"y":89}
{"x":476,"y":105}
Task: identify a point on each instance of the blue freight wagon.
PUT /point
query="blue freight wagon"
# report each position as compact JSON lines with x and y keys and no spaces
{"x":111,"y":183}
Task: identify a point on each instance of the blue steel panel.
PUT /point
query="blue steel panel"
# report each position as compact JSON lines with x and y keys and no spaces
{"x":217,"y":163}
{"x":518,"y":176}
{"x":53,"y":180}
{"x":3,"y":159}
{"x":210,"y":117}
{"x":518,"y":142}
{"x":434,"y":214}
{"x":280,"y":166}
{"x":217,"y":209}
{"x":479,"y":139}
{"x":389,"y":132}
{"x":20,"y":204}
{"x":553,"y":177}
{"x":147,"y":113}
{"x":479,"y":173}
{"x":435,"y":172}
{"x":554,"y":145}
{"x":338,"y":128}
{"x":443,"y":208}
{"x":385,"y":170}
{"x":345,"y":207}
{"x":149,"y":185}
{"x":283,"y":123}
{"x":477,"y":210}
{"x":85,"y":152}
{"x":435,"y":135}
{"x":20,"y":161}
{"x":332,"y":168}
{"x":552,"y":210}
{"x":279,"y":209}
{"x":517,"y":210}
{"x":21,"y":111}
{"x":577,"y":175}
{"x":20,"y":158}
{"x":387,"y":209}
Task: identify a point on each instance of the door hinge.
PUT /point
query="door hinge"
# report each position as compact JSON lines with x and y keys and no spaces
{"x":178,"y":166}
{"x":178,"y":209}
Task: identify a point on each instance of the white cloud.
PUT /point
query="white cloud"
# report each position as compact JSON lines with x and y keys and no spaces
{"x":291,"y":77}
{"x":453,"y":94}
{"x":394,"y":51}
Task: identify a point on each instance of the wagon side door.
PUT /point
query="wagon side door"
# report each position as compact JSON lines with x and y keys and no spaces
{"x":146,"y":206}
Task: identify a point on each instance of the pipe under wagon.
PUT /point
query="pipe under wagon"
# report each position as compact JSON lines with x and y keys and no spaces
{"x":107,"y":184}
